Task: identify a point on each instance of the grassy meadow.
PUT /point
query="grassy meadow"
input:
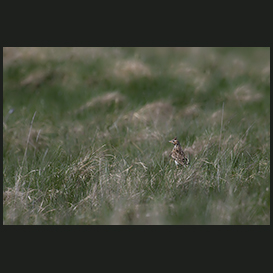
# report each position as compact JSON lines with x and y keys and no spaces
{"x":86,"y":131}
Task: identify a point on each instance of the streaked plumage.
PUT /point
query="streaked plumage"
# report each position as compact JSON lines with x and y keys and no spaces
{"x":177,"y":153}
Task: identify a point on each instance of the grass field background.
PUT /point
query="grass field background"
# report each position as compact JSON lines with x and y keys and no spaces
{"x":86,"y":131}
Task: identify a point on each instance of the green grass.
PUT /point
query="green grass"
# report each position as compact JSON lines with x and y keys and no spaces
{"x":87,"y":142}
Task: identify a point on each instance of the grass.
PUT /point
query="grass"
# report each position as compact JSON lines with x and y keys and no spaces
{"x":86,"y":130}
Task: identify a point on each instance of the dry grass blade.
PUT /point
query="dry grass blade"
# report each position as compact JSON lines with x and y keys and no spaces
{"x":25,"y":154}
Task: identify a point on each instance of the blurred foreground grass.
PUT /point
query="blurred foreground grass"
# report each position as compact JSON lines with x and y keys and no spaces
{"x":86,"y":130}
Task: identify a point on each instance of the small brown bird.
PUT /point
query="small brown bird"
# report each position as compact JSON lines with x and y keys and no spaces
{"x":177,"y":153}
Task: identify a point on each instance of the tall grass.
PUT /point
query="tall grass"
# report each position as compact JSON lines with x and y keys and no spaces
{"x":87,"y":142}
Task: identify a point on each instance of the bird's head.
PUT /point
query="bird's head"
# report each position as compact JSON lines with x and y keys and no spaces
{"x":174,"y":141}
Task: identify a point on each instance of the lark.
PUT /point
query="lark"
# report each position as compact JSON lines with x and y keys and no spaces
{"x":178,"y":154}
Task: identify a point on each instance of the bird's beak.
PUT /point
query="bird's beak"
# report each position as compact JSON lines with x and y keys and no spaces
{"x":171,"y":141}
